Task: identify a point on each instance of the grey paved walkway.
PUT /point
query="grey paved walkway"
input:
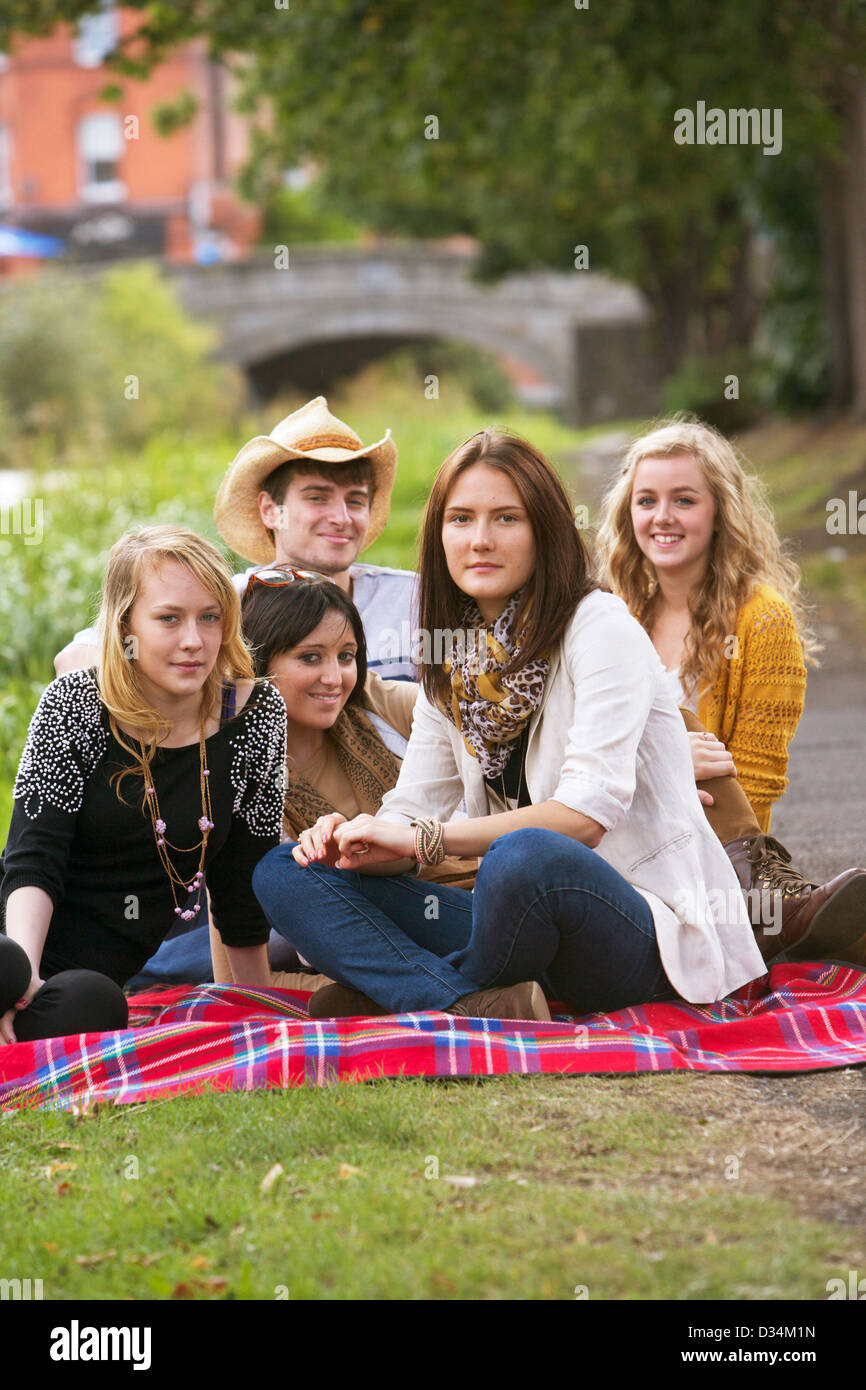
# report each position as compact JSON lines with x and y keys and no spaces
{"x":822,"y":817}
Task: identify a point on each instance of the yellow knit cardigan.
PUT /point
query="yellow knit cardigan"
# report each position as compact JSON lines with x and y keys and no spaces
{"x":755,"y":705}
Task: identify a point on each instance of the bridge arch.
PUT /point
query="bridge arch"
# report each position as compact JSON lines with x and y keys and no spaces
{"x":360,"y":301}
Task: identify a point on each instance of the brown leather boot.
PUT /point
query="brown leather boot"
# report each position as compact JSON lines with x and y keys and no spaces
{"x":517,"y":1001}
{"x":339,"y":1001}
{"x":806,"y":920}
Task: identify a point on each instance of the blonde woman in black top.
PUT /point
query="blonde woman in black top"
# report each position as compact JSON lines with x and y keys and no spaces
{"x":165,"y":761}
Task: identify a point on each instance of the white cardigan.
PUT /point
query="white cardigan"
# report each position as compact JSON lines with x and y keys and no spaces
{"x":608,"y":740}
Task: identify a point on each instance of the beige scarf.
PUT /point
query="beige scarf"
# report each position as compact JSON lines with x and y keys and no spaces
{"x":370,"y":768}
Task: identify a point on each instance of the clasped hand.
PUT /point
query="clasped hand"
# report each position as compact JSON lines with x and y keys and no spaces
{"x":710,"y":758}
{"x":353,"y":844}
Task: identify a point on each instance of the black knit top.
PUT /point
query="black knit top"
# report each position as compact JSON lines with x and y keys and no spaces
{"x":95,"y":855}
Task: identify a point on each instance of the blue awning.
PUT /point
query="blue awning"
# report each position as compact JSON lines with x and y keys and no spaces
{"x":15,"y":241}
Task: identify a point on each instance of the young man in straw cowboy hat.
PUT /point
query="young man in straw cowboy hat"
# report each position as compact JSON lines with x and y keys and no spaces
{"x":311,"y":495}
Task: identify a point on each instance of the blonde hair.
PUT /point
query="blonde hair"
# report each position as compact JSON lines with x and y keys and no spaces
{"x":132,"y":558}
{"x":745,"y":548}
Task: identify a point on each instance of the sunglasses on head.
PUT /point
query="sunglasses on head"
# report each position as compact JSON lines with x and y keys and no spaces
{"x":273,"y":578}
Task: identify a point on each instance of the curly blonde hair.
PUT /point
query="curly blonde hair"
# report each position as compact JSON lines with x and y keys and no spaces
{"x":745,"y":548}
{"x":132,"y":558}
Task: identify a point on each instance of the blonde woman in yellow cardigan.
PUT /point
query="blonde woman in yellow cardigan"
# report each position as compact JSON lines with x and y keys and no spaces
{"x":687,"y":539}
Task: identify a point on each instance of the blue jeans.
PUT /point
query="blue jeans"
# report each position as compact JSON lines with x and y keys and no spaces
{"x":180,"y":960}
{"x":544,"y":907}
{"x":186,"y":960}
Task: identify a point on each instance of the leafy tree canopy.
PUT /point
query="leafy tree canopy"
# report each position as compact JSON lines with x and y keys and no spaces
{"x":555,"y":124}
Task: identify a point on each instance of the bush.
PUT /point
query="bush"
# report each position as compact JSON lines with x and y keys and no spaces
{"x":478,"y":372}
{"x":294,"y":216}
{"x":698,"y":387}
{"x":466,"y":376}
{"x":91,"y":365}
{"x":48,"y":363}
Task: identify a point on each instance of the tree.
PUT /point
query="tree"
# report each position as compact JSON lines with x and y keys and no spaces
{"x":538,"y":128}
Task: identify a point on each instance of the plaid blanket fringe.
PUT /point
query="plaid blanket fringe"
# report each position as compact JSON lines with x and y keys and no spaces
{"x":798,"y":1018}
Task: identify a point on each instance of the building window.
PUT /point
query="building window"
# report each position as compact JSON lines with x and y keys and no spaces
{"x":5,"y":167}
{"x":100,"y":146}
{"x":96,"y":37}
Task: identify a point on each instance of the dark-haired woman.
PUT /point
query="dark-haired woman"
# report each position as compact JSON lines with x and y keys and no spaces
{"x":600,"y":876}
{"x":307,"y":637}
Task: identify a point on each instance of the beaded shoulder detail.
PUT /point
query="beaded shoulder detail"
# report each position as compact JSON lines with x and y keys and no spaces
{"x":257,"y":767}
{"x":65,"y":741}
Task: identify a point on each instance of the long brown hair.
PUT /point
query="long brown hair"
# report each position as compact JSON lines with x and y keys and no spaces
{"x":562,"y":569}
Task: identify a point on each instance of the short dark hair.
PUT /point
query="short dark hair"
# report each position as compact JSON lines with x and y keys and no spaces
{"x":277,"y":618}
{"x":354,"y":471}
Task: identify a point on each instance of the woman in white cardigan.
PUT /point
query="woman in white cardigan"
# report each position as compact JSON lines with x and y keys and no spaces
{"x":599,"y":876}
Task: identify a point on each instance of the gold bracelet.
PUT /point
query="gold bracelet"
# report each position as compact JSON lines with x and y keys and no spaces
{"x":429,"y":840}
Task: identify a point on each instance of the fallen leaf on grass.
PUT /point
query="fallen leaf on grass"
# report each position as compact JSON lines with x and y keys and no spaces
{"x":458,"y":1180}
{"x":62,"y":1189}
{"x":61,"y":1144}
{"x":346,"y":1170}
{"x":95,"y":1259}
{"x":146,"y":1260}
{"x":270,"y":1177}
{"x":59,"y":1168}
{"x":442,"y":1283}
{"x":50,"y":1246}
{"x":200,"y":1262}
{"x":196,"y":1287}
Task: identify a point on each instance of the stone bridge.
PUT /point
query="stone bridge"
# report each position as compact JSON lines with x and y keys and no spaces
{"x":574,"y":341}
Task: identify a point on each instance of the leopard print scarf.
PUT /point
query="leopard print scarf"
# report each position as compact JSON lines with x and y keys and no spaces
{"x":491,"y":712}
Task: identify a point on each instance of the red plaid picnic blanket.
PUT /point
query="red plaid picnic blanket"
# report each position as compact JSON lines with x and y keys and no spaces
{"x":798,"y":1018}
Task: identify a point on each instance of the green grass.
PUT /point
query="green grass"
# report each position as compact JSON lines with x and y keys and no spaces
{"x":600,"y":1183}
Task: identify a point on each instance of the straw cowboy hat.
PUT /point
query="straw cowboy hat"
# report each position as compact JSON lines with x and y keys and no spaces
{"x":312,"y":434}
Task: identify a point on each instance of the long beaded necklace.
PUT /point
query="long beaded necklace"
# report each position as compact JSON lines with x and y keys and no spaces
{"x":163,"y":845}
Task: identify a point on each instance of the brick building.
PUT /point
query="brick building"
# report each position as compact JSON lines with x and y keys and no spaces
{"x":97,"y":173}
